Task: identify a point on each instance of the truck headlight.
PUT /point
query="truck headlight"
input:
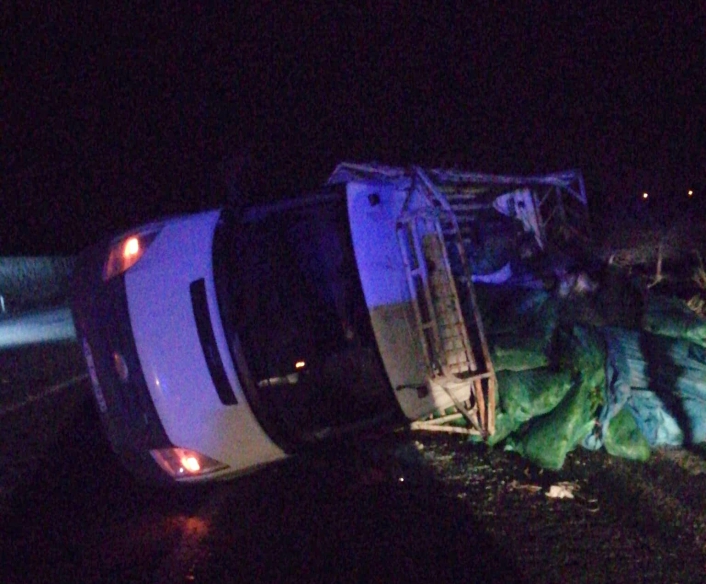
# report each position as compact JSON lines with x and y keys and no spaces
{"x":182,"y":462}
{"x":126,"y":251}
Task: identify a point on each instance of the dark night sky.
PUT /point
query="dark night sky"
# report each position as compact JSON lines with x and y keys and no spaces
{"x":115,"y":115}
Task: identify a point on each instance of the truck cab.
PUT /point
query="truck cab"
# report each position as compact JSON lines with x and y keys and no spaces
{"x":223,"y":341}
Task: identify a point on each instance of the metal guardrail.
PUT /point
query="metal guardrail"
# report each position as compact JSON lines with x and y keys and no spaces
{"x":33,"y":282}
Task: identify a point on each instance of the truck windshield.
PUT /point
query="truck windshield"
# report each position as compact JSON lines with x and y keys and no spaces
{"x":292,"y":303}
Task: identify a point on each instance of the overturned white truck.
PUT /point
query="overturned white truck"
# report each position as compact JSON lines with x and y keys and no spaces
{"x":220,"y":342}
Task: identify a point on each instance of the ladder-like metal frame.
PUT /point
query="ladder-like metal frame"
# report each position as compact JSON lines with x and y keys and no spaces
{"x":455,"y":347}
{"x":559,"y":199}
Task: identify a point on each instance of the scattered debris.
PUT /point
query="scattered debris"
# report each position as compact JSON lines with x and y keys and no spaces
{"x":563,"y":490}
{"x":517,"y":486}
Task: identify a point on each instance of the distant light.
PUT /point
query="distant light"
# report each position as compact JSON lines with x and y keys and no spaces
{"x":300,"y":365}
{"x":690,"y":193}
{"x":131,"y":247}
{"x":645,"y":195}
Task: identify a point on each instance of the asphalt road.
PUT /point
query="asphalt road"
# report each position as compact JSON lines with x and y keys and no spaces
{"x":344,"y":514}
{"x":394,"y":507}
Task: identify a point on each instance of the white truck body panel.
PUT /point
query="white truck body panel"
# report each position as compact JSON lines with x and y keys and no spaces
{"x":387,"y":293}
{"x":168,"y":344}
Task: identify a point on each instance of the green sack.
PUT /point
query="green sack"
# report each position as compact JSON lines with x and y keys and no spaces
{"x":517,"y":352}
{"x":671,"y":317}
{"x":622,"y":437}
{"x":528,"y":394}
{"x":582,"y":350}
{"x":549,"y":438}
{"x":519,"y":325}
{"x":504,"y":426}
{"x":525,"y":395}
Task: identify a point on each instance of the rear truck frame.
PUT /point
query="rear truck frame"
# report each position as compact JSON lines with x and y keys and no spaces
{"x":434,"y":213}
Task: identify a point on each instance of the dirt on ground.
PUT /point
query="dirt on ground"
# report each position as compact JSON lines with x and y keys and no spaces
{"x":599,"y":519}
